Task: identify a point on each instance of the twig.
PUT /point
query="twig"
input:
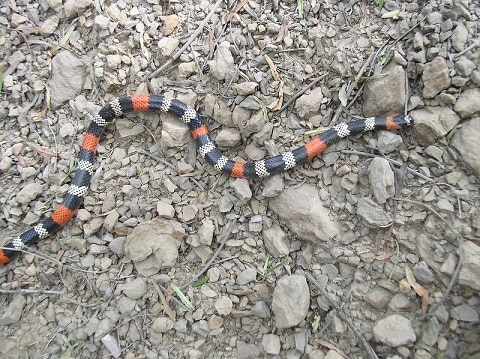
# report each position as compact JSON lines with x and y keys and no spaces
{"x":343,"y":316}
{"x":156,"y":158}
{"x":215,"y":255}
{"x":299,"y":93}
{"x":474,"y":44}
{"x":32,"y":291}
{"x":187,"y":44}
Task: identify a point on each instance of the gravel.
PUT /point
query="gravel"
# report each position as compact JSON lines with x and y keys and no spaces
{"x":370,"y":250}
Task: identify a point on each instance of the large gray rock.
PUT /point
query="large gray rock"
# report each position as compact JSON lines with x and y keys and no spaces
{"x":432,"y":123}
{"x":436,"y":77}
{"x":467,"y":143}
{"x":303,"y":211}
{"x":153,"y":245}
{"x":394,"y":330}
{"x":468,"y":104}
{"x":68,"y":78}
{"x":470,"y":272}
{"x":290,"y":301}
{"x":385,"y":95}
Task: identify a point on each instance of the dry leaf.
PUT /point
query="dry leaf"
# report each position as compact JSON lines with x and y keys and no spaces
{"x":278,"y":104}
{"x":391,"y":14}
{"x":332,"y":347}
{"x":404,"y":286}
{"x":236,"y":10}
{"x":421,"y":291}
{"x":273,"y":68}
{"x":166,"y":307}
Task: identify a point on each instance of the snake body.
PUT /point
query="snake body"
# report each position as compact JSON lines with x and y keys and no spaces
{"x":205,"y":146}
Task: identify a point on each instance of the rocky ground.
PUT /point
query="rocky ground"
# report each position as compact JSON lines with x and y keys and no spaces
{"x":371,"y":250}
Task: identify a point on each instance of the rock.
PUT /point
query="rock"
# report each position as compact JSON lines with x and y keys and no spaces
{"x":470,"y":271}
{"x":276,"y":241}
{"x":13,"y":312}
{"x":102,"y":22}
{"x":464,"y":66}
{"x":249,"y":275}
{"x":125,"y":305}
{"x":73,"y":7}
{"x":467,"y":142}
{"x":436,"y":77}
{"x":167,"y":46}
{"x":432,"y":123}
{"x":382,"y":179}
{"x":247,"y":351}
{"x":459,"y":36}
{"x":423,"y":273}
{"x":219,"y":110}
{"x":222,"y":66}
{"x":273,"y":186}
{"x":385,"y":95}
{"x":465,"y":313}
{"x":153,"y":245}
{"x":261,"y":310}
{"x":189,"y":213}
{"x":67,"y":79}
{"x":467,"y":104}
{"x":162,"y":325}
{"x":135,"y":289}
{"x":430,"y":333}
{"x":111,"y":220}
{"x":251,"y":124}
{"x":186,"y":69}
{"x":290,"y":301}
{"x":223,"y":305}
{"x":241,"y":186}
{"x":400,"y":303}
{"x":333,"y":354}
{"x":394,"y":330}
{"x":250,"y":103}
{"x":104,"y":327}
{"x":271,"y":344}
{"x":309,"y":104}
{"x":165,"y":210}
{"x":245,"y":88}
{"x":302,"y":209}
{"x":174,"y":133}
{"x":205,"y":232}
{"x":378,"y":297}
{"x":372,"y":215}
{"x":112,"y":346}
{"x":28,"y":193}
{"x":228,"y":137}
{"x":170,"y":22}
{"x":388,"y":142}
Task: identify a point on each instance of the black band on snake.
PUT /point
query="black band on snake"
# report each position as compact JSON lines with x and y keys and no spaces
{"x":206,"y":147}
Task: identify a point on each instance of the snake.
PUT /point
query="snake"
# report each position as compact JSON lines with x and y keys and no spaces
{"x":204,"y":144}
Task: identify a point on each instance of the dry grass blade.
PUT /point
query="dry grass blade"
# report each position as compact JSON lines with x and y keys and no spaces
{"x":183,"y":297}
{"x":239,"y":7}
{"x":166,"y":308}
{"x":331,"y":347}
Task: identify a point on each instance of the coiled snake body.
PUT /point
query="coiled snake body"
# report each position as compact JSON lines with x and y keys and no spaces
{"x":206,"y":147}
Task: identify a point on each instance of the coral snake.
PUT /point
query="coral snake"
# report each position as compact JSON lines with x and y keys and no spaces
{"x":206,"y":147}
